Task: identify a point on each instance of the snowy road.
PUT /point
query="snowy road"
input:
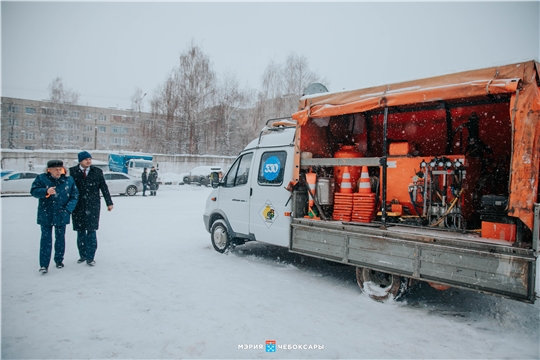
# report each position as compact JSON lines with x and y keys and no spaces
{"x":159,"y":290}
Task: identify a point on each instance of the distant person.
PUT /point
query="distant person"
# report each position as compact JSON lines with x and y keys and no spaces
{"x":144,"y":178}
{"x":152,"y":181}
{"x":90,"y":181}
{"x":57,"y":196}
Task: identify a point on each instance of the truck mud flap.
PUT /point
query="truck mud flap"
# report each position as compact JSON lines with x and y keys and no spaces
{"x":423,"y":255}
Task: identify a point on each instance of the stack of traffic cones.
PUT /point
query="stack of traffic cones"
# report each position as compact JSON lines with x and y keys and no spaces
{"x":364,"y":200}
{"x":343,"y":201}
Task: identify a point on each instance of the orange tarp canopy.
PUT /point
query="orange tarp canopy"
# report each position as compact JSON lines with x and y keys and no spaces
{"x":520,"y":80}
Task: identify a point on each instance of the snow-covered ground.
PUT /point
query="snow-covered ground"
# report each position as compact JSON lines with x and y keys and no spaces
{"x":159,"y":290}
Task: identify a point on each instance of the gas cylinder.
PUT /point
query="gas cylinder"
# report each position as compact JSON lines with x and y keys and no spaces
{"x":347,"y":151}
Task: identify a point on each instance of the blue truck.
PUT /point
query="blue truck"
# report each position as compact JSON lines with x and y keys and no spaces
{"x":130,"y":164}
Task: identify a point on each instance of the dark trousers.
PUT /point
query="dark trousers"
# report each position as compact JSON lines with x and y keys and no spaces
{"x":143,"y":188}
{"x":45,"y":248}
{"x":87,"y":244}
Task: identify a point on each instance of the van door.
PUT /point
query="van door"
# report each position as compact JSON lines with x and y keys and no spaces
{"x":269,"y":198}
{"x":234,"y":195}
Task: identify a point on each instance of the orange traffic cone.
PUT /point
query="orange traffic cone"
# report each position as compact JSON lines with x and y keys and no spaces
{"x":364,"y":186}
{"x":346,"y":186}
{"x":312,"y":181}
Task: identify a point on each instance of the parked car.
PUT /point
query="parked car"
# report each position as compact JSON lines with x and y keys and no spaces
{"x":4,"y":172}
{"x":120,"y":183}
{"x":200,"y":175}
{"x":17,"y":182}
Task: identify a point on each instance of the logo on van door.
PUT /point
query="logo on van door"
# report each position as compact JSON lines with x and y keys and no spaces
{"x":268,"y":213}
{"x":271,"y":168}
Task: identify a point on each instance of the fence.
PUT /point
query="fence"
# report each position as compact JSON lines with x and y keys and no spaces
{"x":37,"y":159}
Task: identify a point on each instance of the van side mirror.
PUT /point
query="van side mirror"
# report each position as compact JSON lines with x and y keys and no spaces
{"x":214,"y":179}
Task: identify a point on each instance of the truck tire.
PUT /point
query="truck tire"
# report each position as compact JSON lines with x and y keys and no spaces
{"x":131,"y":190}
{"x":221,"y":239}
{"x":203,"y":182}
{"x":186,"y":180}
{"x":381,"y":286}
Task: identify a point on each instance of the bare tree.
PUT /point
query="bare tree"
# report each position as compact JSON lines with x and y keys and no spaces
{"x":272,"y":81}
{"x":297,"y":75}
{"x":194,"y":113}
{"x":231,"y":101}
{"x":136,"y":138}
{"x":136,"y":100}
{"x":58,"y":120}
{"x":282,"y":87}
{"x":12,"y":133}
{"x":60,"y":95}
{"x":180,"y":107}
{"x":166,"y":114}
{"x":196,"y":84}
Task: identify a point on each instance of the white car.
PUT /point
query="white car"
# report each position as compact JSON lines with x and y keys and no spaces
{"x":120,"y":183}
{"x":18,"y":182}
{"x":5,"y":172}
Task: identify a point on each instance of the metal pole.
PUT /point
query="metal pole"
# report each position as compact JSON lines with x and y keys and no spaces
{"x":384,"y":165}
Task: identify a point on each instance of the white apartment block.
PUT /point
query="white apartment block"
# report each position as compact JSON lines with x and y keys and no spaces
{"x":32,"y":124}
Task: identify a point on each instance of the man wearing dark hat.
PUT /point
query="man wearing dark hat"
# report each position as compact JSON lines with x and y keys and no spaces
{"x":144,"y":179}
{"x":57,"y":196}
{"x":90,"y":182}
{"x":152,"y":181}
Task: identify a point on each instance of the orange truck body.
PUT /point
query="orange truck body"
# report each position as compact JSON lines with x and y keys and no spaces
{"x":506,"y":99}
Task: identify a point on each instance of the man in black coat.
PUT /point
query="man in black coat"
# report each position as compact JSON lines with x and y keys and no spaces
{"x":152,"y":181}
{"x":90,"y":182}
{"x":144,"y":178}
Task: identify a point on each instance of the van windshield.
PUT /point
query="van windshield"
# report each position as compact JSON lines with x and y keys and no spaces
{"x":143,"y":164}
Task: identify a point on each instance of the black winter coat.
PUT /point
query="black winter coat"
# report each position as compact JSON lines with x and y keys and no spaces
{"x":86,"y":214}
{"x":152,"y":180}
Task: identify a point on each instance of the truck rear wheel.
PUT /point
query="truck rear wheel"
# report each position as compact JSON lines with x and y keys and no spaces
{"x":381,"y":286}
{"x":221,"y":240}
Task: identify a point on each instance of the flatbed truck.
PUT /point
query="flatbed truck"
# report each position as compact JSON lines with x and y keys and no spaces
{"x":432,"y":180}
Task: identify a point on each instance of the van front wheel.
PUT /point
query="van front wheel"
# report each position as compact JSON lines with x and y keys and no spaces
{"x":221,"y":240}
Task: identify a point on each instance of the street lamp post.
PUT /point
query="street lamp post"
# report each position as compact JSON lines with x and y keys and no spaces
{"x":139,"y":103}
{"x":138,"y":130}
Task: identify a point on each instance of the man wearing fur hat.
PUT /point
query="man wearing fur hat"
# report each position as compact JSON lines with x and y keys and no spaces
{"x":90,"y":182}
{"x":57,"y":196}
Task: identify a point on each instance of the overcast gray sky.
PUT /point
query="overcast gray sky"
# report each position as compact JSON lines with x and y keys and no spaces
{"x":105,"y":50}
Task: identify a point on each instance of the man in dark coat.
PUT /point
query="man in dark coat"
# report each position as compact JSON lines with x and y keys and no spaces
{"x":144,"y":179}
{"x":90,"y":182}
{"x":152,"y":181}
{"x":57,"y":196}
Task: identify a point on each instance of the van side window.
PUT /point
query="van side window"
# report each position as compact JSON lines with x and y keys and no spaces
{"x":272,"y":168}
{"x":239,"y":171}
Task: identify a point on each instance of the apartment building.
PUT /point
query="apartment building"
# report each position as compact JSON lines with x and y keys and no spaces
{"x":32,"y":124}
